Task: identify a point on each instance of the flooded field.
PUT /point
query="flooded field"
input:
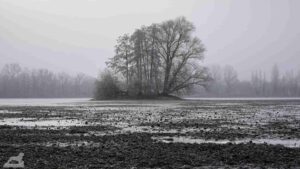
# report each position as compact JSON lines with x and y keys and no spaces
{"x":249,"y":133}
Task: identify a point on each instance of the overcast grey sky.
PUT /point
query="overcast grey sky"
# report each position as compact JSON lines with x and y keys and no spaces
{"x":79,"y":35}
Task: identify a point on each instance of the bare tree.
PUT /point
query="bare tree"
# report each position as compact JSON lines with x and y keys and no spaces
{"x":123,"y":56}
{"x":259,"y":83}
{"x":161,"y":59}
{"x":230,"y":78}
{"x":275,"y":80}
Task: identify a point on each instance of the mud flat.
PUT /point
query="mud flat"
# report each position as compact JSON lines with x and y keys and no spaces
{"x":152,"y":134}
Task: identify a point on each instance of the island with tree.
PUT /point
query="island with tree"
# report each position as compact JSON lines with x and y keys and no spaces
{"x":157,"y":60}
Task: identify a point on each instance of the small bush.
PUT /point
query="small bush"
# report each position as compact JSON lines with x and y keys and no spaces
{"x":106,"y":86}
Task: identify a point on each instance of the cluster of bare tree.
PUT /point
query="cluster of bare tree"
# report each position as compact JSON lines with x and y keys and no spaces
{"x":18,"y":82}
{"x":159,"y":59}
{"x":227,"y":84}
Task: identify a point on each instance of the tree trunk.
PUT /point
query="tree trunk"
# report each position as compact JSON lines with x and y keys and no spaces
{"x":167,"y":76}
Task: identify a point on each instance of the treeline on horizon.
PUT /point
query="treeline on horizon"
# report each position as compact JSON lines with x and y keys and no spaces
{"x":226,"y":83}
{"x":19,"y":82}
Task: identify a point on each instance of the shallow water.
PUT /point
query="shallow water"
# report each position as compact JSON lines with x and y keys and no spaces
{"x":72,"y":144}
{"x":208,"y":119}
{"x":40,"y":102}
{"x":292,"y":143}
{"x":242,"y":98}
{"x":32,"y":122}
{"x":9,"y":112}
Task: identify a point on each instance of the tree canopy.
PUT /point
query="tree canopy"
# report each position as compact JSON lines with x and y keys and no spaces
{"x":159,"y":59}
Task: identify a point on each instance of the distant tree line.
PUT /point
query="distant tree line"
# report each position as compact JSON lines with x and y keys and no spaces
{"x":160,"y":59}
{"x":18,"y":82}
{"x":227,"y":84}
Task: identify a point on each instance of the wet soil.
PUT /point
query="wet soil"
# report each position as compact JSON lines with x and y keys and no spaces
{"x":144,"y":134}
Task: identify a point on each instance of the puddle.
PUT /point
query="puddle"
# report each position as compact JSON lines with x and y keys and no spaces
{"x":41,"y":102}
{"x":9,"y":112}
{"x":89,"y":144}
{"x":292,"y":143}
{"x":133,"y":129}
{"x":72,"y":144}
{"x":32,"y":122}
{"x":148,"y":129}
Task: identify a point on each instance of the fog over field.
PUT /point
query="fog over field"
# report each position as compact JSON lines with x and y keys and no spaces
{"x":150,"y":84}
{"x":79,"y":36}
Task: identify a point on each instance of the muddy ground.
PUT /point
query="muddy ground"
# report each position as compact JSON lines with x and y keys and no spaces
{"x":153,"y":134}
